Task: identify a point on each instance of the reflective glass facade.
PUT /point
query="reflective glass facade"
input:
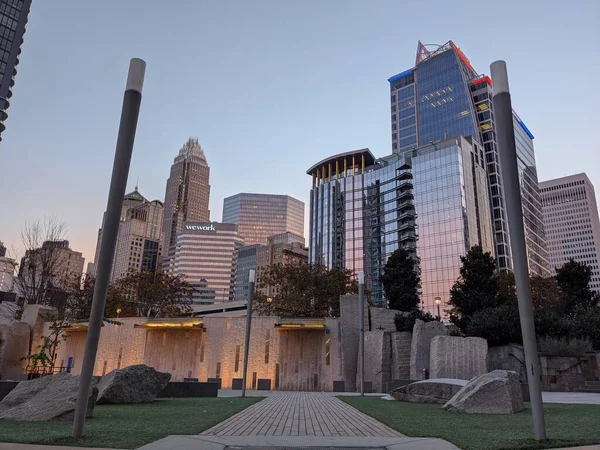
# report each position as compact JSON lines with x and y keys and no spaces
{"x":246,"y":261}
{"x":259,"y":216}
{"x":13,"y":18}
{"x":432,"y":201}
{"x":443,"y":96}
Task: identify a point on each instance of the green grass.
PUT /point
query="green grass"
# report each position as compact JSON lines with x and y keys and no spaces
{"x":130,"y":426}
{"x":567,"y":425}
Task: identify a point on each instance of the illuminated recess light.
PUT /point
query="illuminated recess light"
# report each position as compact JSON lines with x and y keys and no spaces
{"x":486,"y":126}
{"x":464,"y":113}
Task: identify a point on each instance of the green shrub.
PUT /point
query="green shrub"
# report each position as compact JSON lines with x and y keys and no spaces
{"x":586,"y":324}
{"x":564,"y":346}
{"x":405,"y":321}
{"x":499,"y":325}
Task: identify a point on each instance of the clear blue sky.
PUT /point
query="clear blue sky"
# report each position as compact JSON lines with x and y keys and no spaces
{"x":269,"y":87}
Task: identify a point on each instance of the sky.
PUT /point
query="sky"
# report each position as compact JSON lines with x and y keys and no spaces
{"x":269,"y":87}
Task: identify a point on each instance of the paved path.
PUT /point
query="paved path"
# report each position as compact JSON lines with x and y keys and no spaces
{"x":301,"y":414}
{"x":573,"y":398}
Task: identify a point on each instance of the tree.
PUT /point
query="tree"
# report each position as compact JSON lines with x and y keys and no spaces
{"x":573,"y":278}
{"x":304,"y":290}
{"x":477,"y":287}
{"x":401,"y":281}
{"x":546,"y":294}
{"x":148,"y":294}
{"x":41,"y":272}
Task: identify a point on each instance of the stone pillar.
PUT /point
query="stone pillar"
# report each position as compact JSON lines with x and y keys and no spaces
{"x":14,"y":345}
{"x":457,"y":357}
{"x":423,"y":332}
{"x":401,"y":344}
{"x":350,"y":337}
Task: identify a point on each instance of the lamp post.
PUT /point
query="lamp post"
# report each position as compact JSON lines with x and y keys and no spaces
{"x":514,"y":210}
{"x":361,"y":327}
{"x":130,"y":110}
{"x":248,"y":326}
{"x":438,"y":302}
{"x":269,"y":301}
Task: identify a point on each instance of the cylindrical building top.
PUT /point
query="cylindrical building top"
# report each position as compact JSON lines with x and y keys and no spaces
{"x":499,"y":77}
{"x":135,"y":77}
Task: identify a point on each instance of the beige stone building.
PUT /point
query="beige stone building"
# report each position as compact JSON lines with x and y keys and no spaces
{"x":281,"y":249}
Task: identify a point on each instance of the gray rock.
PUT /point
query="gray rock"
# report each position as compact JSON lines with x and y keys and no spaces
{"x":457,"y":357}
{"x":8,"y":311}
{"x":423,"y":332}
{"x":439,"y":390}
{"x":46,"y":398}
{"x":132,"y":384}
{"x":496,"y":392}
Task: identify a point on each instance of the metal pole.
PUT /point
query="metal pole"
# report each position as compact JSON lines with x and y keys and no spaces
{"x":361,"y":327}
{"x":129,"y":117}
{"x":248,"y":326}
{"x":510,"y":177}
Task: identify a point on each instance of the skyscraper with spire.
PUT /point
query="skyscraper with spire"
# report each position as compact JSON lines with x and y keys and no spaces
{"x":187,"y":193}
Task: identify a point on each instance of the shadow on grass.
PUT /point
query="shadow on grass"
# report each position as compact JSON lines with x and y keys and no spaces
{"x":130,"y":426}
{"x":567,"y":425}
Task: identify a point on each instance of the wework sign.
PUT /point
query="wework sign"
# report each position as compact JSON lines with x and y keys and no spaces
{"x":207,"y":227}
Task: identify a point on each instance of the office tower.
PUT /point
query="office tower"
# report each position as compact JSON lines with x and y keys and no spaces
{"x":432,"y":201}
{"x":144,"y":224}
{"x":187,"y":193}
{"x":65,"y":264}
{"x":281,"y":249}
{"x":262,"y":215}
{"x":7,"y":273}
{"x":571,"y":222}
{"x":2,"y":249}
{"x":139,"y":240}
{"x":442,"y":96}
{"x":204,"y":255}
{"x":13,"y":18}
{"x":246,"y":261}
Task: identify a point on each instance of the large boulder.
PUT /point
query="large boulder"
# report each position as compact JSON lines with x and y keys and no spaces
{"x":423,"y":333}
{"x":46,"y":398}
{"x":457,"y":357}
{"x":429,"y":391}
{"x":496,"y":392}
{"x":132,"y":384}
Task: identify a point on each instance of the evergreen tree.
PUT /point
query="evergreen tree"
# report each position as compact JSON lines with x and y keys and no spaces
{"x":401,"y":281}
{"x":573,"y":278}
{"x":477,"y":287}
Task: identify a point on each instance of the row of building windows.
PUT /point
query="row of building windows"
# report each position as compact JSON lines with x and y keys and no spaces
{"x":562,"y":186}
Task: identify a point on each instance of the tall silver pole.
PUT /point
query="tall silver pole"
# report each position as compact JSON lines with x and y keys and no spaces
{"x":129,"y":117}
{"x":248,"y":326}
{"x":361,"y":327}
{"x":510,"y":177}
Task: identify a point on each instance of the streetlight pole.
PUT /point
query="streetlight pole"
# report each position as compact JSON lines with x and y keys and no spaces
{"x":361,"y":327}
{"x":129,"y":117}
{"x":248,"y":326}
{"x":438,"y":301}
{"x":510,"y":176}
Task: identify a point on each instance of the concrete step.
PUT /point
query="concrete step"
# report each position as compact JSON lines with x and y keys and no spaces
{"x":589,"y":390}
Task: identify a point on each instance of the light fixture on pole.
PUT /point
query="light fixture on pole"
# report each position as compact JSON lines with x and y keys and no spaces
{"x":438,"y":302}
{"x":361,"y":327}
{"x":248,"y":326}
{"x":130,"y":110}
{"x":507,"y":150}
{"x":269,"y":301}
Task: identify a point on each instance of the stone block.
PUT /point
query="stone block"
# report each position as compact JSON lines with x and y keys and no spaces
{"x":496,"y":392}
{"x":429,"y":391}
{"x":401,"y":345}
{"x":133,"y":384}
{"x":382,"y":319}
{"x":8,"y":311}
{"x":457,"y":357}
{"x":14,"y":346}
{"x":52,"y":397}
{"x":422,"y":334}
{"x":378,"y":359}
{"x":350,"y":335}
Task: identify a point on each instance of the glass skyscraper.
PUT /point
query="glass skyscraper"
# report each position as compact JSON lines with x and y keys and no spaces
{"x":442,"y":96}
{"x":260,"y":216}
{"x":432,"y":201}
{"x":13,"y":18}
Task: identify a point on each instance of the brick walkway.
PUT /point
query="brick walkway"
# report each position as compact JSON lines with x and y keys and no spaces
{"x":301,"y":414}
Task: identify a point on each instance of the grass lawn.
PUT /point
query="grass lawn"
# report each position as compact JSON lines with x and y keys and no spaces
{"x":567,"y":425}
{"x":130,"y":426}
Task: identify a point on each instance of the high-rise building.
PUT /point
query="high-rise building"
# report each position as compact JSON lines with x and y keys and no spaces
{"x":2,"y":249}
{"x":431,"y":201}
{"x":246,"y":261}
{"x":139,"y":239}
{"x":205,"y":256}
{"x":259,"y":216}
{"x":7,"y":274}
{"x":442,"y":96}
{"x":572,"y":224}
{"x":65,"y":264}
{"x":13,"y":18}
{"x":281,"y":249}
{"x":187,"y":193}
